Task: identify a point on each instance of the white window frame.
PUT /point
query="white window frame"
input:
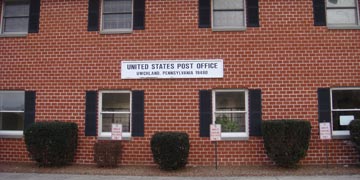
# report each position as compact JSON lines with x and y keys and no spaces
{"x":100,"y":112}
{"x":14,"y":132}
{"x":2,"y":33}
{"x":341,"y":26}
{"x":231,"y":135}
{"x":234,"y":28}
{"x":115,"y":31}
{"x":340,"y":132}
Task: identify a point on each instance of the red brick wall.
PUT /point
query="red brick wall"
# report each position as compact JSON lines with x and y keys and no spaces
{"x":287,"y":57}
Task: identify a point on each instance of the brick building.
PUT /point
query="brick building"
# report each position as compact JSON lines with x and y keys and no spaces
{"x":273,"y":59}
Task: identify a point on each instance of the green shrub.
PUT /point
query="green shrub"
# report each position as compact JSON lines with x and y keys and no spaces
{"x":170,"y":149}
{"x":107,"y":153}
{"x":52,"y":143}
{"x":355,"y":133}
{"x":286,"y":141}
{"x":227,"y":125}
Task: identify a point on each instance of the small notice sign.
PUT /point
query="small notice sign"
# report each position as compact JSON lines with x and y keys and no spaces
{"x":116,"y":131}
{"x":215,"y":132}
{"x":325,"y":130}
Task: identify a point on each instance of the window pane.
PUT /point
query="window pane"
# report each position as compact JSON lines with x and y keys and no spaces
{"x":228,"y":4}
{"x":12,"y":101}
{"x":116,"y":102}
{"x":230,"y":101}
{"x":346,"y":99}
{"x":117,"y":6}
{"x":16,"y":8}
{"x":117,"y":21}
{"x":341,"y":17}
{"x":16,"y":24}
{"x":341,"y":123}
{"x":340,"y":3}
{"x":231,"y":122}
{"x":108,"y":119}
{"x":228,"y":18}
{"x":11,"y":121}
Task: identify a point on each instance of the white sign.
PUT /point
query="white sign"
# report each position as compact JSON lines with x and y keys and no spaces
{"x":325,"y":130}
{"x":116,"y":131}
{"x":215,"y":132}
{"x":346,"y":119}
{"x":172,"y":69}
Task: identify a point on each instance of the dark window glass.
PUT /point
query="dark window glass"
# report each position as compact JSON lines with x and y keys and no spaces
{"x":12,"y":110}
{"x":341,"y":119}
{"x":16,"y":16}
{"x":108,"y":119}
{"x":11,"y":121}
{"x":227,"y":107}
{"x":228,"y":14}
{"x":117,"y":14}
{"x":231,"y":122}
{"x":346,"y":99}
{"x":12,"y":101}
{"x":116,"y":102}
{"x":230,"y":101}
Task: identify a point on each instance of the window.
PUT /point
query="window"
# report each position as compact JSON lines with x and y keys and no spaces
{"x":12,"y":108}
{"x":117,"y":15}
{"x":228,"y":14}
{"x":15,"y":17}
{"x":231,"y":111}
{"x":114,"y":107}
{"x":342,"y":13}
{"x":345,"y":107}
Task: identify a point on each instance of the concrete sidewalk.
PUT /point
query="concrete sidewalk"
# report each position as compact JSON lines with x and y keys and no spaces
{"x":35,"y":176}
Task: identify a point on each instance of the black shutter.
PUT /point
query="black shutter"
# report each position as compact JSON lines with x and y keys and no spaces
{"x":91,"y":113}
{"x":324,"y":105}
{"x":139,"y":14}
{"x":137,"y":113}
{"x":30,"y":100}
{"x":204,"y":14}
{"x":34,"y":16}
{"x":319,"y":12}
{"x":255,"y":112}
{"x":93,"y":15}
{"x":205,"y":110}
{"x":252,"y":13}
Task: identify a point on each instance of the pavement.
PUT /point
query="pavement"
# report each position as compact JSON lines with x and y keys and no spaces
{"x":37,"y":176}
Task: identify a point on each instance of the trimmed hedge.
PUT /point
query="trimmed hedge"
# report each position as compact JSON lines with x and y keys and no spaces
{"x":52,"y":143}
{"x":355,"y":133}
{"x":170,"y":149}
{"x":286,"y":141}
{"x":107,"y":153}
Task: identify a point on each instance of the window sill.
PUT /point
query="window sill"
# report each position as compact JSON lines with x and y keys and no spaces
{"x":128,"y":31}
{"x":127,"y":138}
{"x":219,"y":29}
{"x":344,"y":134}
{"x":343,"y":27}
{"x":340,"y":137}
{"x":13,"y":35}
{"x":12,"y":134}
{"x":234,"y":138}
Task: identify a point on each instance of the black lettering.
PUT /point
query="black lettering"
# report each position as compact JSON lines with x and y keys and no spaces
{"x":206,"y":65}
{"x":137,"y":66}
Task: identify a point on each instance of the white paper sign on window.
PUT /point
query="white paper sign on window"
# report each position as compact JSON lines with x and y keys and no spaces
{"x":345,"y":120}
{"x":172,"y":69}
{"x":116,"y":131}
